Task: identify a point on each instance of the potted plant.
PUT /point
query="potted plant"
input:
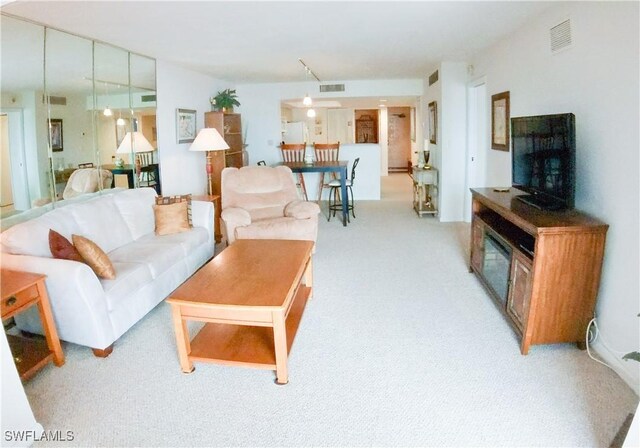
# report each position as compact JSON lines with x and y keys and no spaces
{"x":225,"y":100}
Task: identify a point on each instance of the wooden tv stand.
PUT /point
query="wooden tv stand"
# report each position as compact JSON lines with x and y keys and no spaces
{"x":554,"y":269}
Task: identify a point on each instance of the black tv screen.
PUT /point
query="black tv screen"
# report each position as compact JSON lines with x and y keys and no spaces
{"x":544,"y":160}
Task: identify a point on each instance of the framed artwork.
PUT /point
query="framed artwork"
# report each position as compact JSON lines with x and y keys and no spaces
{"x":185,"y":125}
{"x":55,"y":134}
{"x":433,"y":122}
{"x":500,"y":121}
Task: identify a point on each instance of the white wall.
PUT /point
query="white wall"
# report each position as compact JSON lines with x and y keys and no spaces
{"x":448,"y":154}
{"x":597,"y":80}
{"x":183,"y":171}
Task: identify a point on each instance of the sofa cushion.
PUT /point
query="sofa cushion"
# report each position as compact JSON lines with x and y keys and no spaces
{"x":135,"y":206}
{"x":188,"y":241}
{"x":94,"y":256}
{"x":32,"y":237}
{"x":100,"y":221}
{"x":157,"y":256}
{"x":171,"y":218}
{"x":129,"y":278}
{"x":62,"y":248}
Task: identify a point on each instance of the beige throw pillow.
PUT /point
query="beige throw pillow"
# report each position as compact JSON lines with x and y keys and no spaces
{"x":166,"y":200}
{"x":94,"y":257}
{"x":171,"y":218}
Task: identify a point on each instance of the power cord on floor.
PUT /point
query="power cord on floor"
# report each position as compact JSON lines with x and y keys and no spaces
{"x":592,"y":337}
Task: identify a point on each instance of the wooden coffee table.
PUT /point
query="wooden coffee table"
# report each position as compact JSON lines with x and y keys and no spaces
{"x":252,"y":296}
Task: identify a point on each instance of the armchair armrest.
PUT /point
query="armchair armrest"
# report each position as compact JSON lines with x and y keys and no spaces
{"x":301,"y":209}
{"x":233,"y":217}
{"x":77,"y":300}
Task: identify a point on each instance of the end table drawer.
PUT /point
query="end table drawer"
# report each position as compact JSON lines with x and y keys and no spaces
{"x":13,"y":302}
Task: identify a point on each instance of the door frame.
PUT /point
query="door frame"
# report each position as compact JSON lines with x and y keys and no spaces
{"x":19,"y":179}
{"x":477,"y":140}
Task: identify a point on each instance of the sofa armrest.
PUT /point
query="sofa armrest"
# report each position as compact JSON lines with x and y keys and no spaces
{"x":202,"y":215}
{"x":301,"y":209}
{"x":77,"y":300}
{"x":233,"y":217}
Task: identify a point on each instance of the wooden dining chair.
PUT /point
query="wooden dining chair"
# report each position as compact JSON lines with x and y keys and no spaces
{"x":326,"y":152}
{"x":294,"y":152}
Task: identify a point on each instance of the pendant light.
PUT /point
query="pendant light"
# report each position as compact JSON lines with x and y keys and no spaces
{"x":307,"y":100}
{"x":107,"y":112}
{"x":311,"y":113}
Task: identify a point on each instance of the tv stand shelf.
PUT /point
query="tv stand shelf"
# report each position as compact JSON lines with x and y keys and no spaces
{"x":554,"y":270}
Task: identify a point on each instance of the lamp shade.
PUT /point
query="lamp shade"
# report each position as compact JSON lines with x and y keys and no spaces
{"x":208,"y":139}
{"x":134,"y":142}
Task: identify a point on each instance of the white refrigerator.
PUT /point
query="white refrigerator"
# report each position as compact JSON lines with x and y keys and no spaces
{"x":295,"y":132}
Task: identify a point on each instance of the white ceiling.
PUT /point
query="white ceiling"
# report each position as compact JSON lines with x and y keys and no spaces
{"x":261,"y":41}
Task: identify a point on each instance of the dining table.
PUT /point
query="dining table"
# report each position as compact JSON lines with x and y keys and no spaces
{"x":337,"y":166}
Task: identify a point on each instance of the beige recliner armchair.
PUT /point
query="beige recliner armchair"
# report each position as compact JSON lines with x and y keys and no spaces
{"x":260,"y":202}
{"x":87,"y":180}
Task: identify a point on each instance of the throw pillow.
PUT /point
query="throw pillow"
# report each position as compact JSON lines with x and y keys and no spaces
{"x":167,"y":200}
{"x":171,"y":218}
{"x":62,"y":248}
{"x":94,"y":257}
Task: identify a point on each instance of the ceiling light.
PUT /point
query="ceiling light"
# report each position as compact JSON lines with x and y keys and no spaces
{"x":120,"y":121}
{"x":382,"y":105}
{"x":383,"y":101}
{"x":307,"y":100}
{"x":311,"y":113}
{"x":107,"y":112}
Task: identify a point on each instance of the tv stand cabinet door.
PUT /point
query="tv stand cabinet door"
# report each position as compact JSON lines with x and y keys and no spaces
{"x":477,"y":245}
{"x":519,"y":290}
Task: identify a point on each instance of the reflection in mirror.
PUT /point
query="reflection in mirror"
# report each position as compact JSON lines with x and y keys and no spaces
{"x":69,"y":87}
{"x":143,"y":105}
{"x":26,"y":177}
{"x":112,"y":111}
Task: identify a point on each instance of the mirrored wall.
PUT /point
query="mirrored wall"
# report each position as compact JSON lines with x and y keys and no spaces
{"x":69,"y":113}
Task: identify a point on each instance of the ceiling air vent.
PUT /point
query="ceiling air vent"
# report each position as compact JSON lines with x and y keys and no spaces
{"x":433,"y":78}
{"x":332,"y":88}
{"x":56,"y":100}
{"x":148,"y":98}
{"x":561,"y":36}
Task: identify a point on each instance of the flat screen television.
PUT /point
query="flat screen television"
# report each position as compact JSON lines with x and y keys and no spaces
{"x":544,"y":160}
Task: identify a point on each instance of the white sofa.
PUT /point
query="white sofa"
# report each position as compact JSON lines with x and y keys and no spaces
{"x":95,"y":312}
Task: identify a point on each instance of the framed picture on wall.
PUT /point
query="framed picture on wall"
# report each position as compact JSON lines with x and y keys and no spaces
{"x":433,"y":122}
{"x":500,"y":121}
{"x":55,"y":134}
{"x":186,"y":125}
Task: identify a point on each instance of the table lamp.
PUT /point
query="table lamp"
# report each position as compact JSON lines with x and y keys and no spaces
{"x":135,"y":142}
{"x":210,"y":140}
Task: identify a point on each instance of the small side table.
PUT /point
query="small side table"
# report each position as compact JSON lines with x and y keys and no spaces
{"x":218,"y":210}
{"x":21,"y":290}
{"x":424,"y":181}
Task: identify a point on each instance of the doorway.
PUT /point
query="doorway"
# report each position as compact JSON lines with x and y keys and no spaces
{"x":399,"y":138}
{"x":478,"y":139}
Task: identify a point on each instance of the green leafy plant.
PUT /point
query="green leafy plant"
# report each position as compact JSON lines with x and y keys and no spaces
{"x":633,"y":355}
{"x":226,"y":99}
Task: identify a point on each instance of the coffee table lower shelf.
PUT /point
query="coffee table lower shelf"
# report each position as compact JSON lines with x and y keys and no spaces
{"x":246,"y":345}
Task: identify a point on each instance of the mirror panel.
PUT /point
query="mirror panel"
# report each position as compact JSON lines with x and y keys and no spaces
{"x":143,"y":105}
{"x":28,"y":182}
{"x":112,"y":110}
{"x":68,"y":96}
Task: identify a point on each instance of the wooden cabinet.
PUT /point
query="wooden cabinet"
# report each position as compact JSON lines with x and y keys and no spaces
{"x":554,"y":262}
{"x":230,"y":127}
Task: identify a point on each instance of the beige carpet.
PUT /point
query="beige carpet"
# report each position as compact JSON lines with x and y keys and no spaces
{"x":401,"y":346}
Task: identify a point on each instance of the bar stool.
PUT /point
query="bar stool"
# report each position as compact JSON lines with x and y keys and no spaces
{"x":294,"y":152}
{"x":325,"y":152}
{"x":336,"y":204}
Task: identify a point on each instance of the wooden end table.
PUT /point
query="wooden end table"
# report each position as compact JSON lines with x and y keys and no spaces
{"x":218,"y":210}
{"x":252,"y":296}
{"x":21,"y":290}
